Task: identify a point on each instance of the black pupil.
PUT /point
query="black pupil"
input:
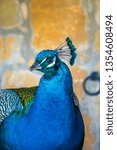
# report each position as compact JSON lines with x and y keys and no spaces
{"x":49,"y":59}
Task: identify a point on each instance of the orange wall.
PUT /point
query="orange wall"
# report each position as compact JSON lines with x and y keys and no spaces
{"x":28,"y":27}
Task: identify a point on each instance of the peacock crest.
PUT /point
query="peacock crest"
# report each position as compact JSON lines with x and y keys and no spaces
{"x":66,"y":51}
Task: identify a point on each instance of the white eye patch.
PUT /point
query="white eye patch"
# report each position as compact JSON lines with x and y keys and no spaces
{"x":53,"y":63}
{"x":42,"y":62}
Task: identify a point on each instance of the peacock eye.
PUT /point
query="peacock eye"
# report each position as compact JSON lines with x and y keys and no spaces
{"x":49,"y":59}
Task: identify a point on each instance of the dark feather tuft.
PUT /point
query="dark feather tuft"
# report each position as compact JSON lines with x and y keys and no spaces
{"x":72,"y":50}
{"x":66,"y":51}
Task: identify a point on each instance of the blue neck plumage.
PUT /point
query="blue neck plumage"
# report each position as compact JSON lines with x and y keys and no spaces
{"x":54,"y":93}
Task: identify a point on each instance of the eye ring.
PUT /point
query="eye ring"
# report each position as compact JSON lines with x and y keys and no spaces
{"x":49,"y":59}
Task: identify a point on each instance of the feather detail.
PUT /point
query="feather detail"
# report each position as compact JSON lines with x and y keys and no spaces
{"x":9,"y":102}
{"x":26,"y":95}
{"x":15,"y":100}
{"x":66,"y":51}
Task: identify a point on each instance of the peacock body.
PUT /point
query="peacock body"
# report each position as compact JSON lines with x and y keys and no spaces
{"x":44,"y":117}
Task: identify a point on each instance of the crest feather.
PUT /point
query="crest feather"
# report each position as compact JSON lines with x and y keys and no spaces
{"x":66,"y":51}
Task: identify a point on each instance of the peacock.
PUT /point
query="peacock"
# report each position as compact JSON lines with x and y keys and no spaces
{"x":47,"y":116}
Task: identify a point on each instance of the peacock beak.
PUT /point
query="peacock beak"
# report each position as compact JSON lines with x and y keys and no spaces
{"x":35,"y":66}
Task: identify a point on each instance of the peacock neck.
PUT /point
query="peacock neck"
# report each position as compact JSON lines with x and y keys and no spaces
{"x":54,"y":94}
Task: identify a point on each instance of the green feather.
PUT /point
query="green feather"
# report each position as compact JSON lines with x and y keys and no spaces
{"x":26,"y":95}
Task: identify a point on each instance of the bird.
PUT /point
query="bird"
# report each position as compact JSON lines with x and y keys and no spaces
{"x":47,"y":116}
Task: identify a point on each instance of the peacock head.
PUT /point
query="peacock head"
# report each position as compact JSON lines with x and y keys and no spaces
{"x":49,"y":61}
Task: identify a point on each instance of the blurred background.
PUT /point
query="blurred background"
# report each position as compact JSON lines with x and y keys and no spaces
{"x":28,"y":26}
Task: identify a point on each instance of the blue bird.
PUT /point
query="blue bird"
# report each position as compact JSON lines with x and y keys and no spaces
{"x":46,"y":117}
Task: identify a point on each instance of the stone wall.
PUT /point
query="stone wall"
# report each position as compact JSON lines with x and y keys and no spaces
{"x":28,"y":26}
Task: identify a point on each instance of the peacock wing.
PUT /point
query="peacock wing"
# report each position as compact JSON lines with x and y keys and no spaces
{"x":14,"y":100}
{"x":26,"y":95}
{"x":75,"y":100}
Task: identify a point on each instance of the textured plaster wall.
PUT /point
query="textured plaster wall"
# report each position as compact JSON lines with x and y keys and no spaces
{"x":27,"y":26}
